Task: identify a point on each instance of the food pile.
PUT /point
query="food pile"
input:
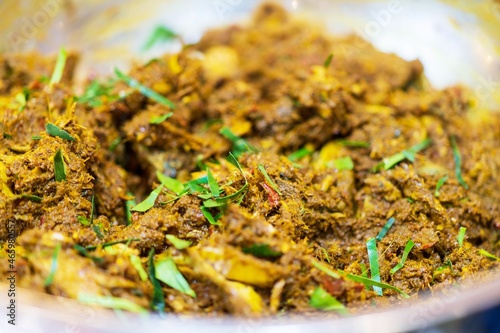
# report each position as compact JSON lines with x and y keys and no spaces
{"x":268,"y":169}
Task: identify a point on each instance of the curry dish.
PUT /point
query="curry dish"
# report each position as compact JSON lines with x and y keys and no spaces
{"x":268,"y":169}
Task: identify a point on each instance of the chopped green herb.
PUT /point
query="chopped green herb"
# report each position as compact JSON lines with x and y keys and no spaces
{"x":440,"y":184}
{"x":240,"y":145}
{"x":149,"y":202}
{"x":53,"y":130}
{"x":97,"y":231}
{"x":409,"y":245}
{"x":371,"y":246}
{"x":261,"y":251}
{"x":22,"y":98}
{"x":36,"y":137}
{"x":83,"y":220}
{"x":447,"y":266}
{"x":168,"y":273}
{"x":128,"y":206}
{"x":158,"y":120}
{"x":354,"y":144}
{"x":111,"y":302}
{"x":268,"y":179}
{"x":53,"y":268}
{"x":344,"y":163}
{"x":179,"y":244}
{"x":136,"y":262}
{"x":95,"y":91}
{"x":410,"y":200}
{"x":364,"y":270}
{"x":222,"y":201}
{"x":299,"y":154}
{"x":31,"y":197}
{"x":161,"y":34}
{"x":487,"y":254}
{"x":114,"y":144}
{"x":457,"y":157}
{"x":325,"y":270}
{"x":372,"y":283}
{"x":83,"y":251}
{"x":322,"y":300}
{"x":93,"y":247}
{"x":171,"y":183}
{"x":325,"y":252}
{"x":134,"y":84}
{"x":158,"y":299}
{"x":409,"y":154}
{"x":209,"y":216}
{"x":7,"y":136}
{"x":212,"y":184}
{"x":328,"y":61}
{"x":461,"y":236}
{"x":385,"y":229}
{"x":59,"y":168}
{"x":59,"y":68}
{"x":231,"y":158}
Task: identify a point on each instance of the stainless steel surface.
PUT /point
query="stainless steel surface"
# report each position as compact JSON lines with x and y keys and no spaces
{"x":457,"y":41}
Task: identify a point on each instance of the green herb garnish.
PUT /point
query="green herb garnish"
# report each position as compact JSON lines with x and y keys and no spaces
{"x":114,"y":144}
{"x":22,"y":99}
{"x":409,"y":154}
{"x":158,"y":120}
{"x":158,"y":300}
{"x":53,"y":130}
{"x":441,"y":269}
{"x":385,"y":229}
{"x":209,"y":216}
{"x":299,"y":154}
{"x":171,"y":183}
{"x":50,"y":278}
{"x":179,"y":244}
{"x":325,"y":269}
{"x":322,"y":300}
{"x":59,"y":168}
{"x":97,"y":231}
{"x":31,"y":197}
{"x":136,"y":262}
{"x":95,"y":91}
{"x":240,"y":145}
{"x":268,"y":179}
{"x":354,"y":144}
{"x":111,"y":302}
{"x":409,"y":245}
{"x":344,"y":163}
{"x":328,"y":61}
{"x":134,"y":84}
{"x":212,"y":184}
{"x":168,"y":273}
{"x":36,"y":137}
{"x":149,"y":202}
{"x":487,"y":254}
{"x":93,"y":247}
{"x":440,"y":184}
{"x":160,"y":34}
{"x":461,"y":236}
{"x":83,"y":251}
{"x":371,"y":246}
{"x":59,"y":68}
{"x":457,"y":157}
{"x":261,"y":251}
{"x":83,"y":220}
{"x":372,"y":283}
{"x":128,"y":206}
